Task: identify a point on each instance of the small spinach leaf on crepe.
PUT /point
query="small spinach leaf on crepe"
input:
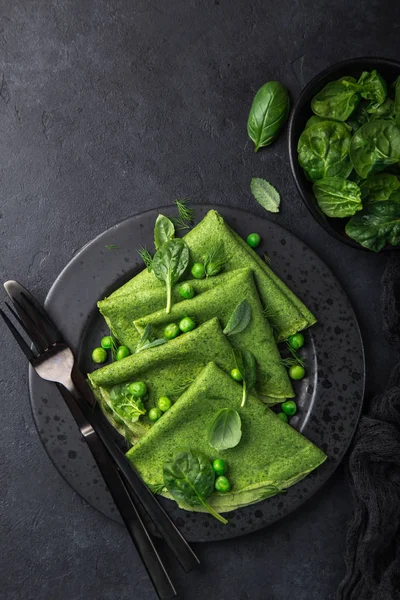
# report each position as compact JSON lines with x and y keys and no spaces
{"x":164,"y":230}
{"x":265,"y":194}
{"x":146,"y":342}
{"x":225,"y":430}
{"x":189,"y":478}
{"x":169,"y":264}
{"x":239,"y":319}
{"x":246,"y":363}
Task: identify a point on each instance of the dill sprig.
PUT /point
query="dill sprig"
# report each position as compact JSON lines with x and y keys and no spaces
{"x":294,"y":359}
{"x":185,"y":217}
{"x":215,"y":260}
{"x":266,"y":258}
{"x":114,"y":345}
{"x":146,"y":257}
{"x":112,"y":247}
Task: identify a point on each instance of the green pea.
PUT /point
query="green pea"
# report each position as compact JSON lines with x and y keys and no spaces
{"x":171,"y":331}
{"x":253,"y":240}
{"x":236,"y":375}
{"x":296,"y":372}
{"x":122,"y":352}
{"x":219,"y":466}
{"x":213,"y":269}
{"x":99,"y":355}
{"x":283,"y":416}
{"x":107,"y":342}
{"x":289,"y":408}
{"x":164,"y":403}
{"x":187,"y":291}
{"x":198,"y":271}
{"x":222,"y":484}
{"x":138,"y":389}
{"x":296,"y":341}
{"x":155,"y":414}
{"x":186,"y":324}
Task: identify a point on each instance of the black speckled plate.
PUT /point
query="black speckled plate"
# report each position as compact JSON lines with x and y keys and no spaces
{"x":329,"y":398}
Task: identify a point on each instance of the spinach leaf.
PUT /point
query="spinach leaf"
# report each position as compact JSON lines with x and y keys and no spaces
{"x":189,"y":478}
{"x":337,"y":100}
{"x":146,"y":342}
{"x":384,"y":111}
{"x":124,"y":405}
{"x":246,"y":363}
{"x":397,"y":100}
{"x":378,"y":224}
{"x":169,"y":264}
{"x":372,"y":87}
{"x":360,"y":116}
{"x":337,"y":197}
{"x":379,"y":187}
{"x":239,"y":319}
{"x":265,"y":194}
{"x":164,"y":230}
{"x":225,"y":430}
{"x":268,"y":113}
{"x":324,"y":150}
{"x":313,"y":120}
{"x":375,"y":146}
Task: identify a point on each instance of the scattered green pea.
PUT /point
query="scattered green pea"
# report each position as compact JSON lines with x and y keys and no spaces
{"x":219,"y":466}
{"x":296,"y":341}
{"x":155,"y":414}
{"x":186,"y":324}
{"x":289,"y":408}
{"x":99,"y":355}
{"x":164,"y":403}
{"x":296,"y":372}
{"x":236,"y":375}
{"x":122,"y":352}
{"x":186,"y":291}
{"x":198,"y":271}
{"x":171,"y":331}
{"x":138,"y":389}
{"x":283,"y":416}
{"x":107,"y":342}
{"x":253,"y":240}
{"x":222,"y":484}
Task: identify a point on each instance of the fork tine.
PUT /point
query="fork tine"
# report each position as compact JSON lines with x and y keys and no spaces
{"x":17,"y":336}
{"x":30,"y":326}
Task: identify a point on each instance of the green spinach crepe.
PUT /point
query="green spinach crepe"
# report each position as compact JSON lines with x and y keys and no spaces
{"x":139,"y":296}
{"x":165,"y":369}
{"x":272,"y":378}
{"x":271,"y":455}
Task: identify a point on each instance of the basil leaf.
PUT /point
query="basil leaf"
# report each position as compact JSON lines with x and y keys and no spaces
{"x":268,"y":113}
{"x":146,"y":342}
{"x":239,"y":319}
{"x":246,"y":363}
{"x":337,"y":197}
{"x":375,"y":146}
{"x":152,"y":344}
{"x":189,"y":478}
{"x":169,"y":264}
{"x":265,"y":194}
{"x":225,"y":430}
{"x":164,"y":230}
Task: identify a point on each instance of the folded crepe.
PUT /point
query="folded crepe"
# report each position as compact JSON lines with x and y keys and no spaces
{"x":139,"y":296}
{"x":165,"y":369}
{"x":272,"y":378}
{"x":270,"y":457}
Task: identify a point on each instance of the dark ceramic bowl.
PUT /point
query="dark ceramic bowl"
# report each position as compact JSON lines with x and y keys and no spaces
{"x":390,"y":70}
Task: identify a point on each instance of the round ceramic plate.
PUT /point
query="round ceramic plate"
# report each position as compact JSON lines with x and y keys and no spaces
{"x":329,"y":398}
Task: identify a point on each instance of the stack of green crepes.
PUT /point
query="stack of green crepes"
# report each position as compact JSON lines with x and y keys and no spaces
{"x":193,"y":370}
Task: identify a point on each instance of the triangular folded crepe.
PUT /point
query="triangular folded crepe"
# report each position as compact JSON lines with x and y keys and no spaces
{"x":270,"y":457}
{"x":139,"y":296}
{"x":221,"y":301}
{"x":165,"y":369}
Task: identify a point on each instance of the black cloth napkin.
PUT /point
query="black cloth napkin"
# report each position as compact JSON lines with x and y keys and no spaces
{"x":373,"y":542}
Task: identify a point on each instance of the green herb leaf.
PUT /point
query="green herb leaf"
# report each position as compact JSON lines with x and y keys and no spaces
{"x":156,"y":488}
{"x":225,"y":430}
{"x":246,"y":363}
{"x":268,"y":113}
{"x":164,"y":230}
{"x":337,"y":197}
{"x":189,"y":478}
{"x":169,"y":264}
{"x":337,"y":100}
{"x":379,"y":187}
{"x":146,"y":257}
{"x":186,"y":215}
{"x":265,"y":194}
{"x":124,"y":406}
{"x":375,"y":146}
{"x":372,"y":87}
{"x":112,"y":247}
{"x":239,"y":319}
{"x":146,"y":342}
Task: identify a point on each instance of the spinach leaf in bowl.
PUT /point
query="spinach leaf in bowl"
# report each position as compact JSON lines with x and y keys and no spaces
{"x":396,"y":86}
{"x":378,"y":224}
{"x":375,"y":146}
{"x":384,"y":111}
{"x":337,"y":100}
{"x":372,"y":87}
{"x":337,"y":197}
{"x":268,"y":113}
{"x":324,"y":150}
{"x":379,"y":186}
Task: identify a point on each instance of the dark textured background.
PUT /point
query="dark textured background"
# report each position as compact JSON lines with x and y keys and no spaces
{"x":109,"y":108}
